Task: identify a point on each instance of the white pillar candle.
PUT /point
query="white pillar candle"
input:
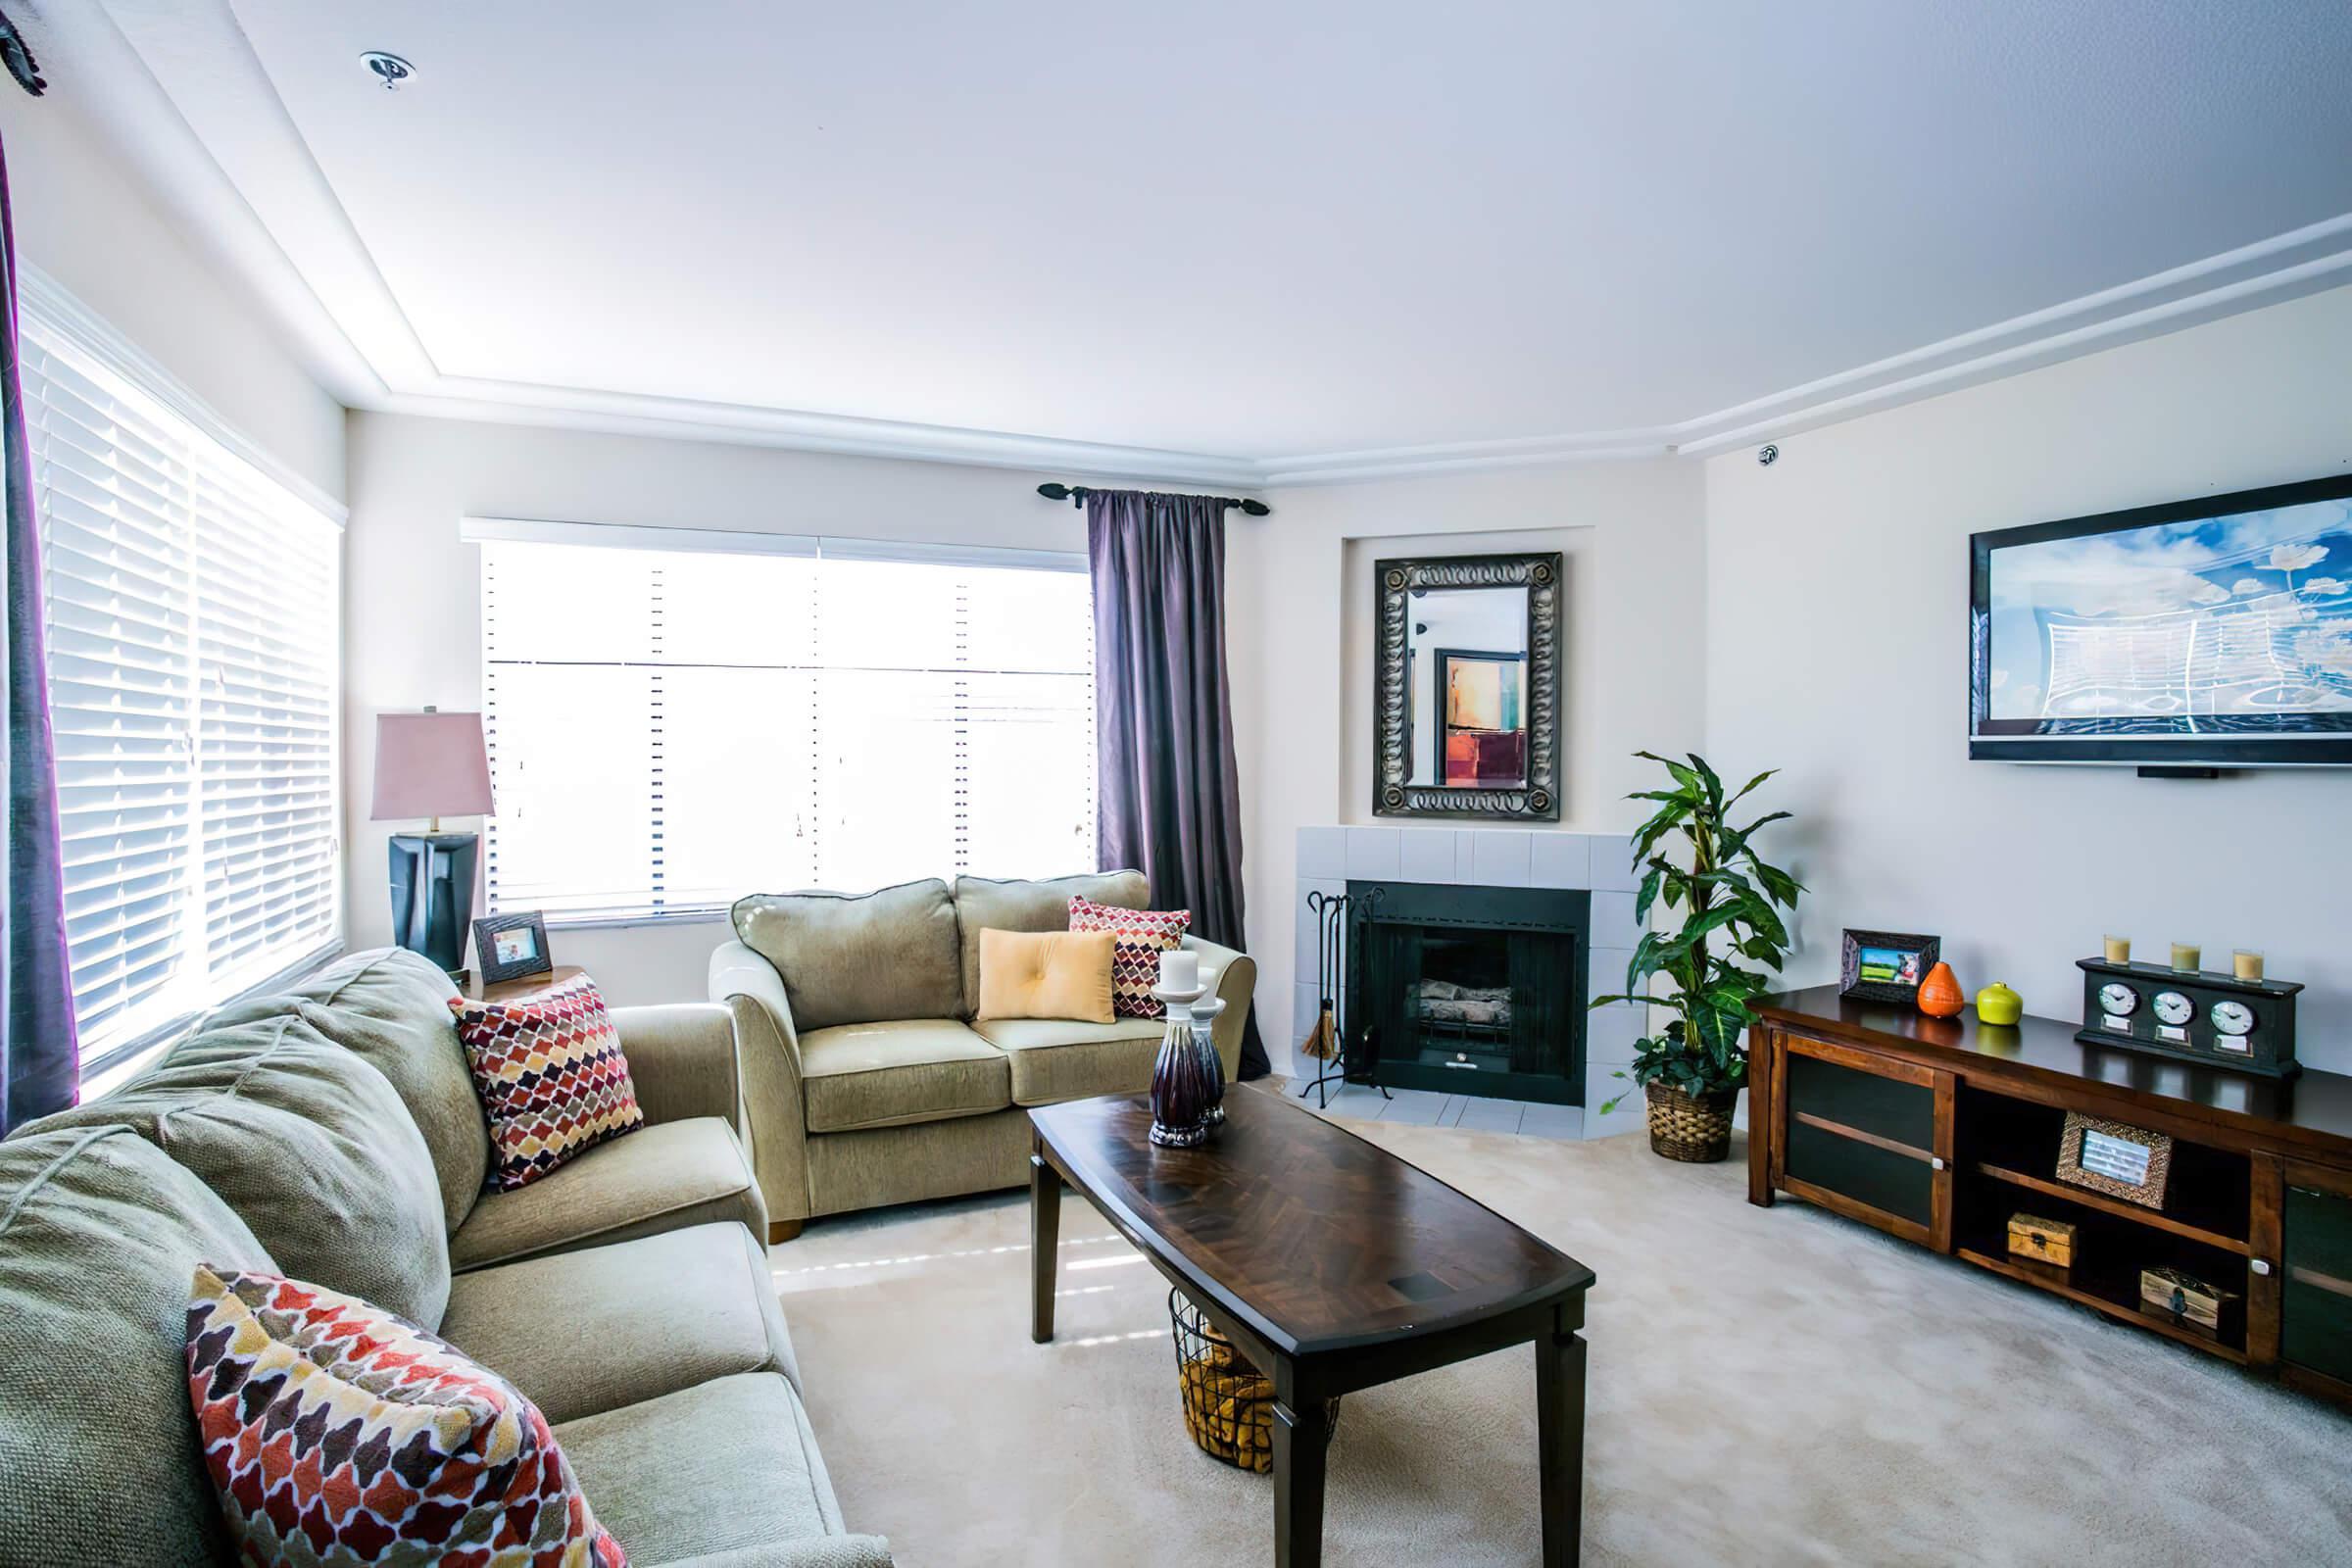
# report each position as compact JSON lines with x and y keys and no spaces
{"x":1179,"y":970}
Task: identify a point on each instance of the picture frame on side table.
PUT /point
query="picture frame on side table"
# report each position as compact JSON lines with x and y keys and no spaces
{"x":1887,"y":965}
{"x":512,"y":947}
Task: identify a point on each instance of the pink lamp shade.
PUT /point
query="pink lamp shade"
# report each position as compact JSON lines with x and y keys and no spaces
{"x":430,"y":766}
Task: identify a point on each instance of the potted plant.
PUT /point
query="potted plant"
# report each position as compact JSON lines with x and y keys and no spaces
{"x":1691,"y":1072}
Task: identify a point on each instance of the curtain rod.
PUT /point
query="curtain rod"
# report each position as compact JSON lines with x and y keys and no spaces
{"x":1076,"y":493}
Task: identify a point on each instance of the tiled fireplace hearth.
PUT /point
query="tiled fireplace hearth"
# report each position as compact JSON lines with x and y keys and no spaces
{"x":1493,"y":939}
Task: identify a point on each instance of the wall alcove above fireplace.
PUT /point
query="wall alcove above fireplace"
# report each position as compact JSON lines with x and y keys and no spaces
{"x":1471,"y":990}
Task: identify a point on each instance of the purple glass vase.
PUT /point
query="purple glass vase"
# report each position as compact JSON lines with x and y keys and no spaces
{"x":1183,"y":1090}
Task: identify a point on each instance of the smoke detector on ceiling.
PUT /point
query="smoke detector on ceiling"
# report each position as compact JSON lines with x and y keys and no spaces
{"x":390,"y":70}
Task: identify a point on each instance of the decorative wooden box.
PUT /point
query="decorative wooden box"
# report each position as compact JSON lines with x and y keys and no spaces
{"x":2044,"y":1241}
{"x":2187,"y":1302}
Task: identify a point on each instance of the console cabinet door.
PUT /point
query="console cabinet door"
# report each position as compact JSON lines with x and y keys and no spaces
{"x":1869,"y":1137}
{"x":2315,"y":1294}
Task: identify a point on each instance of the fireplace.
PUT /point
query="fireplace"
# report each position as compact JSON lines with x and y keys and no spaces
{"x":1469,"y":990}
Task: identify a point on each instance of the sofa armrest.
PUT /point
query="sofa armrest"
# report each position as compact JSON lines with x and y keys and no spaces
{"x":682,"y":1059}
{"x":1237,"y":984}
{"x":750,"y":989}
{"x":809,"y":1551}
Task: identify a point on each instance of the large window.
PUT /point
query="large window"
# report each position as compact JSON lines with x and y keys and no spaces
{"x":677,"y":718}
{"x":192,"y":625}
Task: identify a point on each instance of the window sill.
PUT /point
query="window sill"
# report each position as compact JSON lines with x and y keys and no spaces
{"x":622,"y":922}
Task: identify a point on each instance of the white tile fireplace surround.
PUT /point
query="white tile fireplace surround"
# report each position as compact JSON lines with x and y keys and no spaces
{"x":1327,"y":858}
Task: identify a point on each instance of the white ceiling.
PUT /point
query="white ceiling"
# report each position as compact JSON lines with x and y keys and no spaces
{"x":1253,"y":231}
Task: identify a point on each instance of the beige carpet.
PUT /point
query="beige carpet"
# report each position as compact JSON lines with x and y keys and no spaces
{"x":1767,"y":1387}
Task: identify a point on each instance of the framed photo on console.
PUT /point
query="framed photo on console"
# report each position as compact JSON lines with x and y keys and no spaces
{"x":510,"y":946}
{"x":1885,"y":965}
{"x":2116,"y":1159}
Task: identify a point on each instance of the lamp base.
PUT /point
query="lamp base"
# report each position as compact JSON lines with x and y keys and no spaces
{"x":433,"y":894}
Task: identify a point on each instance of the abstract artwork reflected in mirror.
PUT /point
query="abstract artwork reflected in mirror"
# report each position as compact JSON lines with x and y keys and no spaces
{"x":1467,"y":687}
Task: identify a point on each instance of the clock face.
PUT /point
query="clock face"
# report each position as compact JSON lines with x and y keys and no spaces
{"x":2233,"y":1017}
{"x":2174,"y":1008}
{"x":2120,"y":1000}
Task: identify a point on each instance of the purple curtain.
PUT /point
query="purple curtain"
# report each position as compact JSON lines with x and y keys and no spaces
{"x":38,"y":1057}
{"x":1168,"y":796}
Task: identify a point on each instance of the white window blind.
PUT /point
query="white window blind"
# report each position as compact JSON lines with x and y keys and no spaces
{"x":192,"y":627}
{"x":672,"y":728}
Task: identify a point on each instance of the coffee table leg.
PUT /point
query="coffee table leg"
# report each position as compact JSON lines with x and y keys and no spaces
{"x":1560,"y":1443}
{"x":1302,"y":1440}
{"x":1044,"y":1234}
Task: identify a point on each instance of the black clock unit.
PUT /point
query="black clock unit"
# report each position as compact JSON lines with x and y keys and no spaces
{"x":2217,"y":1020}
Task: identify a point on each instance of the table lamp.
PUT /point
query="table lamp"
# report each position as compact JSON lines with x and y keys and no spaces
{"x":431,"y":765}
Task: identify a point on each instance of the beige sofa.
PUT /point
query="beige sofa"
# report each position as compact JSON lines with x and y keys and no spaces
{"x":866,"y":1078}
{"x":332,"y":1134}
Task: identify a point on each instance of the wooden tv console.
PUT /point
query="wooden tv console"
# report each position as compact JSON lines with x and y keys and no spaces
{"x":1937,"y":1130}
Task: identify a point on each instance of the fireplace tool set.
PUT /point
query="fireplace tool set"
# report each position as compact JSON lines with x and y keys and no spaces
{"x":1327,"y":1043}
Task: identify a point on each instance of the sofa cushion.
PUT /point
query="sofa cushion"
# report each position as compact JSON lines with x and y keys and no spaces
{"x":1054,"y":1059}
{"x":312,"y":1148}
{"x":1143,"y":936}
{"x":391,"y":1008}
{"x":858,"y":959}
{"x":554,"y":1080}
{"x":664,"y":1178}
{"x":726,"y":1464}
{"x":1046,"y":974}
{"x":630,"y":1322}
{"x":100,"y":1462}
{"x":336,"y":1432}
{"x":985,"y":903}
{"x":913,"y":1070}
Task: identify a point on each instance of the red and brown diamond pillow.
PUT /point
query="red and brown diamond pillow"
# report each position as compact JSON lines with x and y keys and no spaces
{"x":1138,"y":938}
{"x":552,"y":1076}
{"x":336,"y":1433}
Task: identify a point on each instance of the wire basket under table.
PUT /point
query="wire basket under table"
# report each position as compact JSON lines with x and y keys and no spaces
{"x":1228,"y":1404}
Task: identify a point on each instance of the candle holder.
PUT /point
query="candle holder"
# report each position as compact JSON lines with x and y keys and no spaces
{"x":1181,"y":1091}
{"x":1204,"y":1046}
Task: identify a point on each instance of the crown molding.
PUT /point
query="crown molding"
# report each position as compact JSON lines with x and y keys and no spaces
{"x":265,"y":204}
{"x":2270,"y":271}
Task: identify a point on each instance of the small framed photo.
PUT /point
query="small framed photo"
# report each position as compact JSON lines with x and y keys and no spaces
{"x":1885,"y":965}
{"x":2113,"y":1157}
{"x":510,"y":946}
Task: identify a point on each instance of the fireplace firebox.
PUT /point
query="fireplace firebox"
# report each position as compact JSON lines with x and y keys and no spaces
{"x":1469,"y":990}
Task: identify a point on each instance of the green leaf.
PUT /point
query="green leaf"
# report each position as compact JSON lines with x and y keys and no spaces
{"x":1782,"y":887}
{"x":1649,"y":892}
{"x":1750,"y":784}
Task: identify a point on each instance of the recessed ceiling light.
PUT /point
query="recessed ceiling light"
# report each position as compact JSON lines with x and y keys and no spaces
{"x":391,"y":70}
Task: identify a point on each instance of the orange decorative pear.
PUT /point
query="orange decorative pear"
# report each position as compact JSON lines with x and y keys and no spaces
{"x":1940,"y":994}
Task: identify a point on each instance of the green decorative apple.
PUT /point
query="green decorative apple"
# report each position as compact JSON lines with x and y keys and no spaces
{"x":1997,"y":1003}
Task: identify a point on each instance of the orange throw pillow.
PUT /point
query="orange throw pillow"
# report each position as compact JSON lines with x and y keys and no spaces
{"x":1046,"y":974}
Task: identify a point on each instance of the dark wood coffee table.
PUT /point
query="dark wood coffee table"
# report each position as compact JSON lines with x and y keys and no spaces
{"x":1332,"y":1265}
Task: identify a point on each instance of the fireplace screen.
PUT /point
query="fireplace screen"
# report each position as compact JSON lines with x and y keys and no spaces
{"x":1474,"y":991}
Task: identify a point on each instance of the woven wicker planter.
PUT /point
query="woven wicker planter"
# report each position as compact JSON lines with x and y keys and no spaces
{"x":1693,"y":1128}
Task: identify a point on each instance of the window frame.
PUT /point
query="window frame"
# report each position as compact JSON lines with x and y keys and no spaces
{"x":50,"y":310}
{"x":489,"y":529}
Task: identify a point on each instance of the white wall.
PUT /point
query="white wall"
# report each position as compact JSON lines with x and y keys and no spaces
{"x":412,"y":597}
{"x":1840,"y":575}
{"x":1300,"y":589}
{"x":87,"y":221}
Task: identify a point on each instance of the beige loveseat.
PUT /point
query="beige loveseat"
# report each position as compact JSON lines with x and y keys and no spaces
{"x":332,"y":1134}
{"x":866,"y":1077}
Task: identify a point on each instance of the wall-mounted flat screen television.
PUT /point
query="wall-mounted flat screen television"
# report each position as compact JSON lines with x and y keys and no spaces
{"x":2215,"y":633}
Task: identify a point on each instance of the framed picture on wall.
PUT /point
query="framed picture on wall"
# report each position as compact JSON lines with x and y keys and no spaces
{"x":1885,"y":965}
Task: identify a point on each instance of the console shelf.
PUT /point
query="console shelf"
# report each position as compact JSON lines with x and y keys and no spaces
{"x":1938,"y":1130}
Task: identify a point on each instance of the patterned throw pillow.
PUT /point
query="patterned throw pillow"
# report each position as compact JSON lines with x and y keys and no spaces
{"x":1138,"y":938}
{"x":552,"y":1078}
{"x":338,"y":1434}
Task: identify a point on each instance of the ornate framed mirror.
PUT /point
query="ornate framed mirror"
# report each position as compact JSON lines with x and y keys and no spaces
{"x":1466,"y":688}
